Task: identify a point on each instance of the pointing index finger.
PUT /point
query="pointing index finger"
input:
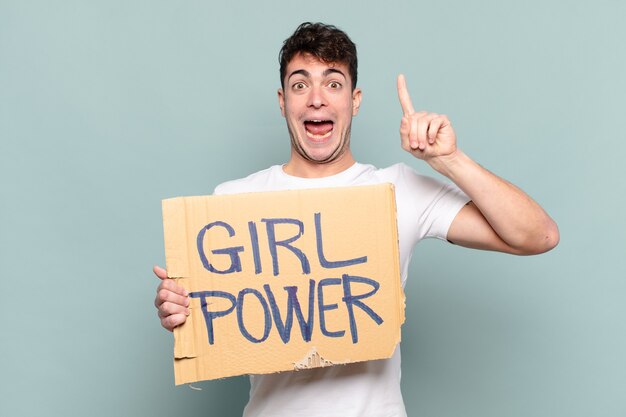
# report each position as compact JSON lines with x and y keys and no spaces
{"x":403,"y":95}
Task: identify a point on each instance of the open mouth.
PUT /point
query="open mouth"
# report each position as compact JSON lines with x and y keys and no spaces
{"x":318,"y":129}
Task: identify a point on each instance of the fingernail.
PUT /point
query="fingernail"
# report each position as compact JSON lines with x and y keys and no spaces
{"x":187,"y":312}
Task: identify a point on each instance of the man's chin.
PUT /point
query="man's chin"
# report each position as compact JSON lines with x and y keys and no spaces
{"x":318,"y":153}
{"x":322,"y":157}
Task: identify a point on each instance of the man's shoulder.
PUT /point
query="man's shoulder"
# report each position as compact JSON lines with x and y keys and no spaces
{"x":254,"y":182}
{"x":395,"y":172}
{"x":408,"y":180}
{"x":398,"y":167}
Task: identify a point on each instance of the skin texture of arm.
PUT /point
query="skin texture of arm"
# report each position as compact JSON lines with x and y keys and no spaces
{"x":501,"y":217}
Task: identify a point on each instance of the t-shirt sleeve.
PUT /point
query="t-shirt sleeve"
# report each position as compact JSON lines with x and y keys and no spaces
{"x":218,"y":190}
{"x":426,"y":203}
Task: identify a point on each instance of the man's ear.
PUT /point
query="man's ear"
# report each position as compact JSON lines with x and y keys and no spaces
{"x":356,"y":101}
{"x":281,"y":101}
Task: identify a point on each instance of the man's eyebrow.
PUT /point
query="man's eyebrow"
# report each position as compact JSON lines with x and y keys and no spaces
{"x":307,"y":74}
{"x":333,"y":71}
{"x":304,"y":72}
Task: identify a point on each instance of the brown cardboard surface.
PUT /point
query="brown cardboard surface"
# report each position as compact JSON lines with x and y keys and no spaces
{"x":282,"y":281}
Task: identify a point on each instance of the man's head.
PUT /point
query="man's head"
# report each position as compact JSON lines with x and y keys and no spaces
{"x":318,"y":99}
{"x":325,"y":42}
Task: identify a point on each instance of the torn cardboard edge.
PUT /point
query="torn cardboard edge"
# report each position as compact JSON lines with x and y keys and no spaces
{"x":312,"y":360}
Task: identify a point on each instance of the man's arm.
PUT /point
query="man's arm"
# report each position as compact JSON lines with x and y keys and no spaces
{"x":500,"y":217}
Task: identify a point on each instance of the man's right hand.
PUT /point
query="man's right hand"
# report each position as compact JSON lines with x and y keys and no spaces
{"x":172,"y":301}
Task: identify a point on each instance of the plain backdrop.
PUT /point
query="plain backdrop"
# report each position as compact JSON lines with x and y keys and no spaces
{"x":107,"y":107}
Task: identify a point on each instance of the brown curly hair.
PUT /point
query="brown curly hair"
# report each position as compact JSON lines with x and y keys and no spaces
{"x":326,"y":42}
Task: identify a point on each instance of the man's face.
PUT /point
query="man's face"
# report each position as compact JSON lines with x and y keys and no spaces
{"x":318,"y":104}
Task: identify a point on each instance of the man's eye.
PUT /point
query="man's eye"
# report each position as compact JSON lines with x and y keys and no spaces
{"x":334,"y":84}
{"x":299,"y":86}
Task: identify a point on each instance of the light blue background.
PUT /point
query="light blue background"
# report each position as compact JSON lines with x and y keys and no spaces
{"x":106,"y":107}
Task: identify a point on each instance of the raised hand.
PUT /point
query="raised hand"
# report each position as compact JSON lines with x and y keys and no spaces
{"x":425,"y":135}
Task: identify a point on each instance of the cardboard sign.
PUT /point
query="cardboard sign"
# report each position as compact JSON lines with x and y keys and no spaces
{"x":282,"y":281}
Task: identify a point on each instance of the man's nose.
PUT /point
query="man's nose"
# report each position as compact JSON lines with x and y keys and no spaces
{"x":316,"y":98}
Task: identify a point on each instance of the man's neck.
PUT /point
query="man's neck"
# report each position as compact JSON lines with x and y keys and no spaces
{"x":299,"y":167}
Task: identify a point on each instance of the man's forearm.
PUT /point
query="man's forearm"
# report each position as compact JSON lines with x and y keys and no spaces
{"x":515,"y":217}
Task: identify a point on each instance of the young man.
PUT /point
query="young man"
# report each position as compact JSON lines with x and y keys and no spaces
{"x":318,"y":98}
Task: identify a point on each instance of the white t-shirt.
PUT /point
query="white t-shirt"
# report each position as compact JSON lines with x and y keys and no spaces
{"x":425,"y":208}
